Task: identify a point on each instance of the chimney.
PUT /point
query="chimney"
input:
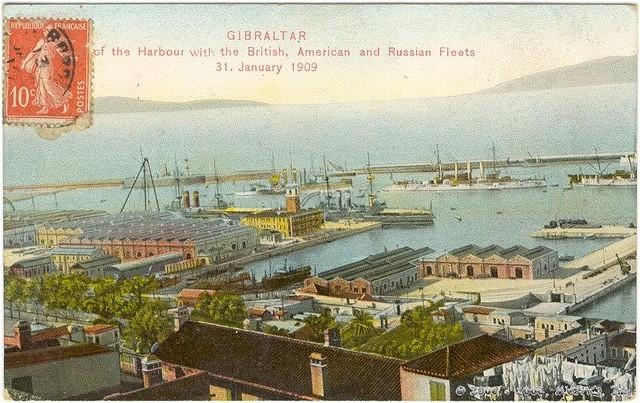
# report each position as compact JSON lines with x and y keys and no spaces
{"x":186,"y":203}
{"x":319,"y":379}
{"x":180,"y":316}
{"x":332,"y":337}
{"x":22,"y":334}
{"x":151,"y":371}
{"x":196,"y":198}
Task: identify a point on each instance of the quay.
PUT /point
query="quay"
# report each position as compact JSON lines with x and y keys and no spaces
{"x":332,"y":231}
{"x":250,"y":175}
{"x":606,"y":231}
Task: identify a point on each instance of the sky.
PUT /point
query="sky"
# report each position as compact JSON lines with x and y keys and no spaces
{"x":509,"y":41}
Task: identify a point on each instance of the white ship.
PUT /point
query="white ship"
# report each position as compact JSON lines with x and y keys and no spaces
{"x":619,"y":177}
{"x":466,"y":182}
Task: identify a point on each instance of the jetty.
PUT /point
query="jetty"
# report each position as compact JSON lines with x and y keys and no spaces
{"x":265,"y":174}
{"x":605,"y":231}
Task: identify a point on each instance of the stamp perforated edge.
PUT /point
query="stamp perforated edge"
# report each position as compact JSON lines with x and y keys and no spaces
{"x":49,"y":129}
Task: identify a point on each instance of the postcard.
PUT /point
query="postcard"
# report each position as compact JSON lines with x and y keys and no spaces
{"x":319,"y":201}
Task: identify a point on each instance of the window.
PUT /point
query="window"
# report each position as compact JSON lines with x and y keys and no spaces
{"x":436,"y":391}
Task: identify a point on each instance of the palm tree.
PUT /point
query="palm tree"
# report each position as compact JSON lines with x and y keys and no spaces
{"x":361,"y":324}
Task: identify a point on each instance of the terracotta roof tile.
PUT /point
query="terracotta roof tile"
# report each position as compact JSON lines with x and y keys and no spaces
{"x":626,"y":339}
{"x":276,"y":363}
{"x":189,"y":293}
{"x":480,"y":310}
{"x":99,"y":328}
{"x":48,"y":334}
{"x":466,"y":357}
{"x":189,"y":387}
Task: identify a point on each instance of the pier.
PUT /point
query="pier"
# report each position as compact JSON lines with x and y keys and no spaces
{"x":606,"y":231}
{"x":251,"y":175}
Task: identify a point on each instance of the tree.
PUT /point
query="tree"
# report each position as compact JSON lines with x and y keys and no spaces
{"x":361,"y":324}
{"x":224,"y":309}
{"x":14,"y":292}
{"x":317,"y":324}
{"x":149,"y":325}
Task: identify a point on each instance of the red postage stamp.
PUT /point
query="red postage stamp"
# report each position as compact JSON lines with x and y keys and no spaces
{"x":47,"y":73}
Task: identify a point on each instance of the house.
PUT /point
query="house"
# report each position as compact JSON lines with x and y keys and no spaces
{"x":579,"y":347}
{"x":622,"y":348}
{"x":24,"y":338}
{"x":95,"y":266}
{"x":437,"y":375}
{"x":473,"y":261}
{"x":63,"y":373}
{"x":243,"y":364}
{"x":33,"y":267}
{"x":478,"y":314}
{"x":189,"y":297}
{"x":64,"y":257}
{"x":102,"y":334}
{"x":553,"y":325}
{"x":606,"y":326}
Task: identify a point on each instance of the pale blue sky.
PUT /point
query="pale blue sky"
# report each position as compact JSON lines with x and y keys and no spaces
{"x":509,"y":40}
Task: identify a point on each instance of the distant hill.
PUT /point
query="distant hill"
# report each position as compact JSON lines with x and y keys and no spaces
{"x":130,"y":105}
{"x":609,"y":70}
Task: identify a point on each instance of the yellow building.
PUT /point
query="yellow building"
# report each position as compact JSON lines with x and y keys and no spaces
{"x":300,"y":223}
{"x":64,"y":257}
{"x":50,"y":237}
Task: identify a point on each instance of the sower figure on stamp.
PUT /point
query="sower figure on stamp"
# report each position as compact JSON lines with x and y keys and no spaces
{"x":49,"y":94}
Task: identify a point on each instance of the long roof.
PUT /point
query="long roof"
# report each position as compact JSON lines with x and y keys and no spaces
{"x":377,"y":266}
{"x":506,"y":253}
{"x":134,"y":264}
{"x":280,"y":364}
{"x":40,"y":356}
{"x":98,"y":261}
{"x":33,"y":261}
{"x":466,"y":358}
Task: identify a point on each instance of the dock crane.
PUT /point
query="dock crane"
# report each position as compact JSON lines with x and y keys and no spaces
{"x":624,"y":266}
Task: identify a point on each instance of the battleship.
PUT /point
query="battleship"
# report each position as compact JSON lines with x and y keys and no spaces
{"x":456,"y":182}
{"x":168,"y":178}
{"x":620,"y":177}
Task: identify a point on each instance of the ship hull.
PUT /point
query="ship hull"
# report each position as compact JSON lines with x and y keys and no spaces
{"x":428,"y":187}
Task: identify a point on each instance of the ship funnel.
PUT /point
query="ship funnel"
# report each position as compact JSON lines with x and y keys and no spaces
{"x":455,"y":169}
{"x":186,"y":202}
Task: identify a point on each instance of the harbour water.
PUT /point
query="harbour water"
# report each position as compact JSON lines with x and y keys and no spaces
{"x":407,"y":131}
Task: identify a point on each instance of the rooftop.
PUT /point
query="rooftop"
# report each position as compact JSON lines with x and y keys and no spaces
{"x":134,"y":264}
{"x":189,"y":387}
{"x":33,"y":261}
{"x":625,"y":339}
{"x":280,"y":364}
{"x":477,"y":309}
{"x":466,"y":358}
{"x":40,"y":356}
{"x":377,"y":266}
{"x":75,"y":250}
{"x":101,"y":328}
{"x":190,"y":293}
{"x":563,"y":344}
{"x":284,"y":213}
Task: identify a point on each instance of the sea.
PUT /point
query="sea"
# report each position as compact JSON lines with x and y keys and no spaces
{"x":551,"y":122}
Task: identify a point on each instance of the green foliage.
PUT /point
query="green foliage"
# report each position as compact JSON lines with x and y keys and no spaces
{"x":415,"y":336}
{"x":224,"y":309}
{"x":275,"y":330}
{"x":150,"y":324}
{"x":361,"y":324}
{"x":318,"y":324}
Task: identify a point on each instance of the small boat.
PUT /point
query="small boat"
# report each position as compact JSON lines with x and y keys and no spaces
{"x":459,"y":218}
{"x":566,"y":258}
{"x":498,"y":212}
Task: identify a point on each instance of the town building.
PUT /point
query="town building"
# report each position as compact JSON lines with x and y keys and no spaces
{"x":94,"y":267}
{"x":472,"y":261}
{"x":579,"y":347}
{"x":622,"y":348}
{"x":102,"y":334}
{"x":25,"y":338}
{"x":21,"y":227}
{"x":243,"y":365}
{"x":33,"y":267}
{"x":132,"y":236}
{"x":437,"y":375}
{"x":64,"y":257}
{"x":64,"y":372}
{"x":147,"y":266}
{"x":189,"y":297}
{"x":291,"y":222}
{"x":19,"y":237}
{"x":374,"y":275}
{"x":554,"y":325}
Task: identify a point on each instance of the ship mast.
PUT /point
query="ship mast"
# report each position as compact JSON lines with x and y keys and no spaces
{"x":493,"y":155}
{"x":326,"y":181}
{"x":439,"y":163}
{"x":218,"y":195}
{"x":370,"y":178}
{"x":144,"y":167}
